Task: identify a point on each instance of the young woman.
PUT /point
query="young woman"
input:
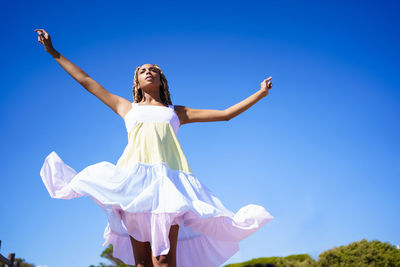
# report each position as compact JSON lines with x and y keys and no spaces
{"x":155,"y":204}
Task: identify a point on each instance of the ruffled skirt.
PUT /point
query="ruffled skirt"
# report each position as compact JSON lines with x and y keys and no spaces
{"x":144,"y":201}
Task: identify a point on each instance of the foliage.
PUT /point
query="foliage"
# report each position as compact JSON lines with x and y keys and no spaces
{"x":22,"y":263}
{"x":301,"y":260}
{"x":362,"y":253}
{"x":107,"y":253}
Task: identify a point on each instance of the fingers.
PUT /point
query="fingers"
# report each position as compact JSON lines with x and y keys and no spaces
{"x":266,"y":80}
{"x":46,"y":34}
{"x":43,"y":36}
{"x":39,"y":32}
{"x":42,"y":32}
{"x":267,"y":83}
{"x":40,"y":40}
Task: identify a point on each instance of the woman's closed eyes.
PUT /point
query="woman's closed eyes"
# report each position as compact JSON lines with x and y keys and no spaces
{"x":152,"y":69}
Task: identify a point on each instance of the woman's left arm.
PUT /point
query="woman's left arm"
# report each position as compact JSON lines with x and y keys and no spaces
{"x":189,"y":115}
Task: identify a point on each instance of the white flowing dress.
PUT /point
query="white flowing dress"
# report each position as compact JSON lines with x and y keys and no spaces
{"x":151,"y":188}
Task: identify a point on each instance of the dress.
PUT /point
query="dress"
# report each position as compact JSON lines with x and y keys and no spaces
{"x":151,"y":188}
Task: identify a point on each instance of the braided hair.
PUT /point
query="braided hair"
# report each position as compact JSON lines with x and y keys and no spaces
{"x":164,"y":89}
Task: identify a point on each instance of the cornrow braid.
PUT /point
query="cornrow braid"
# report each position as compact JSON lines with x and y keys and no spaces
{"x":164,"y":88}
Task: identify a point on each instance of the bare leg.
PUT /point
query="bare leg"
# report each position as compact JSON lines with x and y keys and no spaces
{"x":169,"y":260}
{"x":142,"y":253}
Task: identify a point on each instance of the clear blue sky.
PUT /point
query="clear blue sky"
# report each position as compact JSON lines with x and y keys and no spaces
{"x":320,"y":152}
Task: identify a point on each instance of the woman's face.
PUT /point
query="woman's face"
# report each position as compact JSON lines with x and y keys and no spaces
{"x":149,"y":77}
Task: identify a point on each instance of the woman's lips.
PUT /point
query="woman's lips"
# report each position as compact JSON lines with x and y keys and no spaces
{"x":149,"y":77}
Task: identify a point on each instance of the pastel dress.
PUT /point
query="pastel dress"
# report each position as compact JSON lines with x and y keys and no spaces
{"x":153,"y":187}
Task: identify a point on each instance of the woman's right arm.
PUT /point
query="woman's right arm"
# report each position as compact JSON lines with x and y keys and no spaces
{"x":118,"y":104}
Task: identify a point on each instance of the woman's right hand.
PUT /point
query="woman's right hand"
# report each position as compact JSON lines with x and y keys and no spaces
{"x":266,"y":85}
{"x":44,"y":39}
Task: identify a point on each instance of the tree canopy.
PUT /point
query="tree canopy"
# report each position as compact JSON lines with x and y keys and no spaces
{"x":360,"y":254}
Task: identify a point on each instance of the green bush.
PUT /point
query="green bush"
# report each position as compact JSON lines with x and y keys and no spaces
{"x":301,"y":260}
{"x":362,"y":253}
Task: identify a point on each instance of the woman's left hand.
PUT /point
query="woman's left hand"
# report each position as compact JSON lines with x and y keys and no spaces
{"x":265,"y":86}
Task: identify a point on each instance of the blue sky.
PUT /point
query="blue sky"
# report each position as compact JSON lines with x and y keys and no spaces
{"x":320,"y":152}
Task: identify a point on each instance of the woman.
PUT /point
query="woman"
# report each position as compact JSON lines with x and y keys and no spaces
{"x":155,"y":204}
